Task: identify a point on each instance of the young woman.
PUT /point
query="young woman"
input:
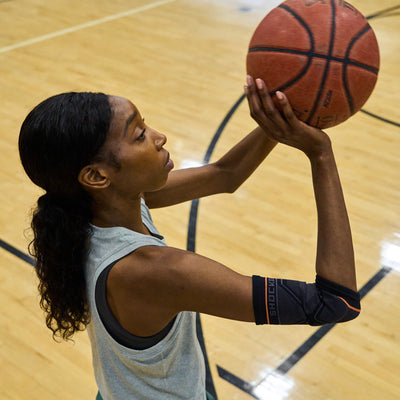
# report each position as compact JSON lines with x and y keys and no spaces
{"x":103,"y":265}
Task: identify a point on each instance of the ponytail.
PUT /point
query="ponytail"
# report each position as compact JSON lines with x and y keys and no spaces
{"x":61,"y":228}
{"x":57,"y":139}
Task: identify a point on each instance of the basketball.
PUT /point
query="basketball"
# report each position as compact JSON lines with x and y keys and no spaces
{"x":322,"y":54}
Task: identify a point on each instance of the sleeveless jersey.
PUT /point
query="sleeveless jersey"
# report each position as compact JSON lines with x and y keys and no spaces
{"x":171,"y":369}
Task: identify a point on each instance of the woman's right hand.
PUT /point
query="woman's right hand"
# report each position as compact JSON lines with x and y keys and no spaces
{"x":283,"y":126}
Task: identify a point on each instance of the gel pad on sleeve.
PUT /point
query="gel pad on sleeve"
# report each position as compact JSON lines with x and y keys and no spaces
{"x":284,"y":302}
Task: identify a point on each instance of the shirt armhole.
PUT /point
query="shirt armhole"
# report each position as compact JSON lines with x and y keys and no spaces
{"x":113,"y":327}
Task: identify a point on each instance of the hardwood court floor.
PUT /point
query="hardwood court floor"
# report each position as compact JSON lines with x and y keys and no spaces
{"x":182,"y":62}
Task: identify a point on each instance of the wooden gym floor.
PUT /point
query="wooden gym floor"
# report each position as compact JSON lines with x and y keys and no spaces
{"x":182,"y":62}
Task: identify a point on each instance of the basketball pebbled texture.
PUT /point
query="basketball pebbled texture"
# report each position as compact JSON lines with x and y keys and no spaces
{"x":322,"y":54}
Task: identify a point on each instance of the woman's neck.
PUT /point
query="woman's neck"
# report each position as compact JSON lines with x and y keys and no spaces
{"x":119,"y":212}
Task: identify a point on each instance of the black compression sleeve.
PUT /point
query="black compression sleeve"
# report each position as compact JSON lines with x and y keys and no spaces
{"x":259,"y":300}
{"x":352,"y":297}
{"x":283,"y":301}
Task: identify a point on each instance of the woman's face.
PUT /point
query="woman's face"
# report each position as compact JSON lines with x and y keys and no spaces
{"x":143,"y":163}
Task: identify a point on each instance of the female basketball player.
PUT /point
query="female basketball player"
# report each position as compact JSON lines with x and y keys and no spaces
{"x":103,"y":265}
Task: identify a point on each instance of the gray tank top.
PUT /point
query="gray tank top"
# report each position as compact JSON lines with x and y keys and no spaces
{"x":171,"y":369}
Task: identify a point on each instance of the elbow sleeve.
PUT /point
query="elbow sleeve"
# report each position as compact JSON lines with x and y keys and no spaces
{"x":284,"y":302}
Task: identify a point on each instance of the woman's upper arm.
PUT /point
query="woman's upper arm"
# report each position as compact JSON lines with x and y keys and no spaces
{"x":149,"y":287}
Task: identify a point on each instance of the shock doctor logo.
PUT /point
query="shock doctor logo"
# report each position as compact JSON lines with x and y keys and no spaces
{"x":272,"y":305}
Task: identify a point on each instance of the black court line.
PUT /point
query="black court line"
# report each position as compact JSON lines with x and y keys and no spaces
{"x":18,"y":253}
{"x":384,"y":13}
{"x":191,"y":238}
{"x":380,"y":118}
{"x":302,"y":350}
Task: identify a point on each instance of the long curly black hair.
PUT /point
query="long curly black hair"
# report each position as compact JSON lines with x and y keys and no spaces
{"x":58,"y":138}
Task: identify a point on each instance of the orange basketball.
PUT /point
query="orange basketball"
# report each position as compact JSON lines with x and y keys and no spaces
{"x":322,"y":54}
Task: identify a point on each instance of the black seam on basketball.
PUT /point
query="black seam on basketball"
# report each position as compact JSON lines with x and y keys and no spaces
{"x":279,"y":50}
{"x":331,"y":43}
{"x":312,"y":55}
{"x":308,"y":54}
{"x":347,"y":62}
{"x":363,"y":66}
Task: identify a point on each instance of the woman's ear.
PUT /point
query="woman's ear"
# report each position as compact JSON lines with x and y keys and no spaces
{"x":92,"y":177}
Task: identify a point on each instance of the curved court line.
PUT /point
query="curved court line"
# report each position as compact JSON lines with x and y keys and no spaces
{"x":84,"y":25}
{"x":191,"y":239}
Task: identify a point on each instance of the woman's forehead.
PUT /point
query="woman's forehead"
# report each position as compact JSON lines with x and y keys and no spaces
{"x":121,"y":105}
{"x":122,"y":110}
{"x":123,"y":113}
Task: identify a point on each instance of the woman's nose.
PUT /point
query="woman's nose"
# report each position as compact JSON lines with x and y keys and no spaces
{"x":160,"y":140}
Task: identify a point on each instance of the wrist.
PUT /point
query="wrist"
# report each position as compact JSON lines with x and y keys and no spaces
{"x":266,"y":137}
{"x":321,"y":153}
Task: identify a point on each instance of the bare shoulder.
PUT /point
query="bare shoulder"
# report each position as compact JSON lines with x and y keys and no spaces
{"x":148,"y":262}
{"x":150,"y":286}
{"x":151,"y":269}
{"x":137,"y":289}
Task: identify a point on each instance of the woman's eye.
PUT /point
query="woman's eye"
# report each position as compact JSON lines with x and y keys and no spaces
{"x":142,"y":135}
